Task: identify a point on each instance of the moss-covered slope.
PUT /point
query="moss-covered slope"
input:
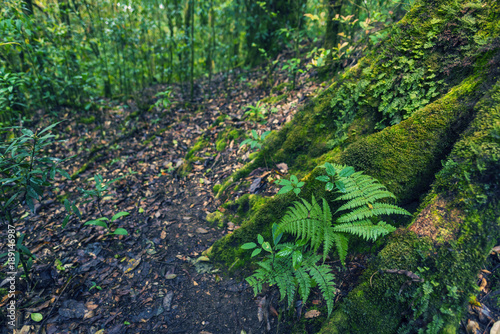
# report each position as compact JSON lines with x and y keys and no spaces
{"x":455,"y":229}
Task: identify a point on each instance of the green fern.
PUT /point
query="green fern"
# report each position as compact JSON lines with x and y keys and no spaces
{"x":313,"y":222}
{"x":293,"y":271}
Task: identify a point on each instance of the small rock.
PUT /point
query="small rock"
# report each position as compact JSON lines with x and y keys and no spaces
{"x":496,"y":328}
{"x":201,"y":230}
{"x":230,"y":226}
{"x":72,"y":309}
{"x":167,"y":300}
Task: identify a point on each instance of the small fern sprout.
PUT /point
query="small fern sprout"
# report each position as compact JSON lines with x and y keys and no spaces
{"x":255,"y":141}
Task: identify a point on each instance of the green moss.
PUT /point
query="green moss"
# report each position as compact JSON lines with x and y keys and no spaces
{"x":457,"y":225}
{"x":216,"y":188}
{"x":86,"y":120}
{"x":406,"y":156}
{"x":282,"y":86}
{"x":215,"y":218}
{"x":220,"y":144}
{"x":225,"y":137}
{"x":198,"y":146}
{"x":274,"y":99}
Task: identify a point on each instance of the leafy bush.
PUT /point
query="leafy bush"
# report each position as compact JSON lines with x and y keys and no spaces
{"x":25,"y":173}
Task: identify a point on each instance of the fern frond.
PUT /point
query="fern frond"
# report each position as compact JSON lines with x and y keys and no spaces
{"x":324,"y":278}
{"x":286,"y":286}
{"x":304,"y":281}
{"x":362,"y":199}
{"x":341,"y":242}
{"x":366,"y":229}
{"x":255,"y":284}
{"x":307,"y":221}
{"x":371,"y":210}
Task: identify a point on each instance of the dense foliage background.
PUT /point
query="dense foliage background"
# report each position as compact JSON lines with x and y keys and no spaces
{"x":69,"y":52}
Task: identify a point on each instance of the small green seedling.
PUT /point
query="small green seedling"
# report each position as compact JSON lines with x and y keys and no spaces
{"x":255,"y":113}
{"x":255,"y":140}
{"x":102,"y":222}
{"x":332,"y":179}
{"x":164,"y":100}
{"x":289,"y":185}
{"x":94,"y":285}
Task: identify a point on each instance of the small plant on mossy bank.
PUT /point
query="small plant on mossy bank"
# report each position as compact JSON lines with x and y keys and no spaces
{"x":255,"y":141}
{"x":290,"y":185}
{"x":255,"y":113}
{"x":102,"y":222}
{"x":316,"y":224}
{"x":291,"y":267}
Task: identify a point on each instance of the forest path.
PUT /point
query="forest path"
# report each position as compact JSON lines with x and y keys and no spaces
{"x":153,"y":280}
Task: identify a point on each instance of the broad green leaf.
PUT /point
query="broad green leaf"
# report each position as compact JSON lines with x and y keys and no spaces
{"x":260,"y":239}
{"x":296,"y":259}
{"x":67,"y":205}
{"x":348,"y":171}
{"x":255,"y":135}
{"x":323,"y":178}
{"x":249,"y":245}
{"x":296,"y":191}
{"x":36,"y":317}
{"x":64,"y":173}
{"x":285,"y":252}
{"x":330,"y":170}
{"x":256,"y":252}
{"x":340,"y":186}
{"x":49,"y":128}
{"x":97,"y":223}
{"x":267,"y":247}
{"x":283,"y":182}
{"x":294,"y":179}
{"x":285,"y":189}
{"x":246,"y":141}
{"x":65,"y":221}
{"x":329,"y":186}
{"x":118,"y":215}
{"x":276,"y":238}
{"x":300,"y":184}
{"x":120,"y":231}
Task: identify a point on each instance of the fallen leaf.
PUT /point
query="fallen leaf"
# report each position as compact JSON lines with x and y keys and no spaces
{"x":37,"y":317}
{"x":40,"y":307}
{"x":194,"y":283}
{"x":201,"y":230}
{"x":483,"y":284}
{"x":131,"y":265}
{"x":91,"y":306}
{"x":170,"y":276}
{"x":312,"y":314}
